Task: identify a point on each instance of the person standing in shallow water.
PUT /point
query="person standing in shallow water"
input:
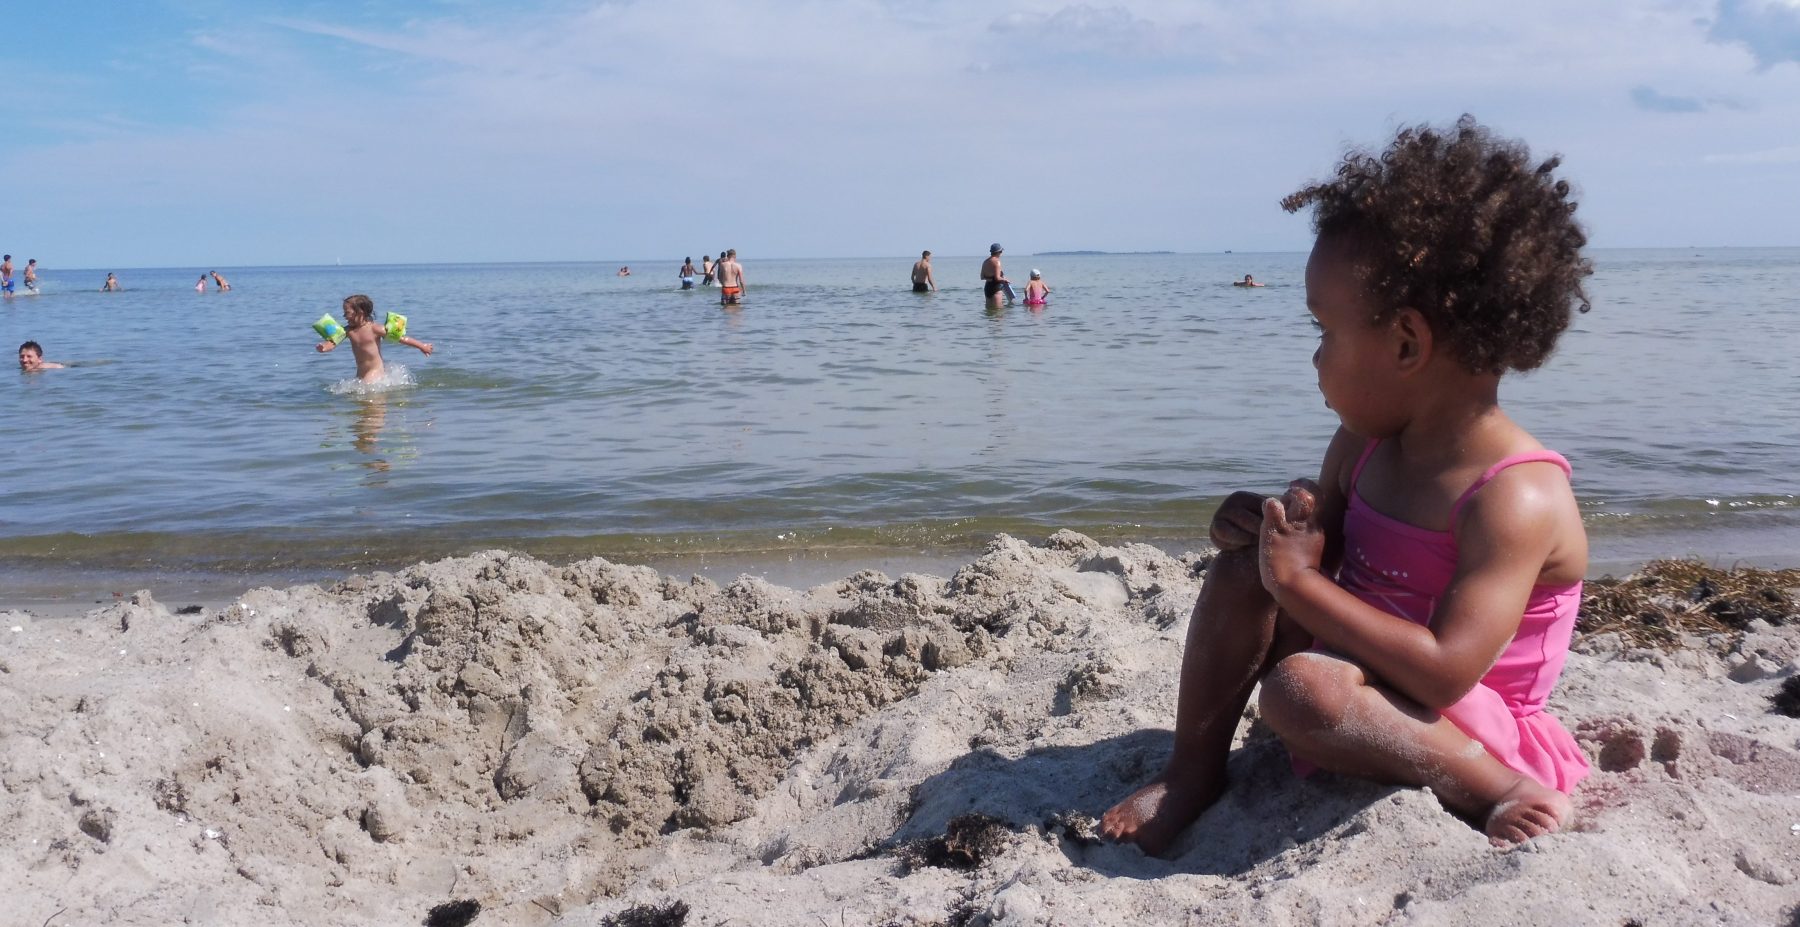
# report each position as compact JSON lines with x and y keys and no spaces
{"x":731,"y":279}
{"x":921,"y":275}
{"x":1408,"y":614}
{"x":993,"y":278}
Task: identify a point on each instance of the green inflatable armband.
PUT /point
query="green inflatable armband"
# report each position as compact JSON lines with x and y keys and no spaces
{"x":396,"y":326}
{"x":329,"y":329}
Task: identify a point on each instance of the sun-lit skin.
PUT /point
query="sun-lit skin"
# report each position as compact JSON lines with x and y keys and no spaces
{"x":1374,"y":711}
{"x":31,"y":361}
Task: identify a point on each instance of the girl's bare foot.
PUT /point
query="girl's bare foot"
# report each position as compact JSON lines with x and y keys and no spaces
{"x":1527,"y":810}
{"x":1153,"y":816}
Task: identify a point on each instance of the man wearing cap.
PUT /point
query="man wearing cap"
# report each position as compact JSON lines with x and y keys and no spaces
{"x":993,"y":279}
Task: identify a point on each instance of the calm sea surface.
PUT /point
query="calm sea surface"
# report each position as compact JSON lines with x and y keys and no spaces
{"x":571,"y":412}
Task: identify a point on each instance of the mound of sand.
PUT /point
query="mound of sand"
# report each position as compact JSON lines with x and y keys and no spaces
{"x":569,"y":744}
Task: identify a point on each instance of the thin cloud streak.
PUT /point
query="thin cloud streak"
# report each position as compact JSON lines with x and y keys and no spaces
{"x":882,"y":127}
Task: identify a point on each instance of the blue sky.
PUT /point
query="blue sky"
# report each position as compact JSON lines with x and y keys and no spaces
{"x":186,"y":132}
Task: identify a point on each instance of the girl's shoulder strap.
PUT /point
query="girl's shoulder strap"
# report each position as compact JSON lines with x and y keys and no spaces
{"x":1356,"y":472}
{"x":1538,"y":456}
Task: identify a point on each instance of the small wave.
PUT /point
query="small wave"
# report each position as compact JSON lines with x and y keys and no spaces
{"x":395,"y":376}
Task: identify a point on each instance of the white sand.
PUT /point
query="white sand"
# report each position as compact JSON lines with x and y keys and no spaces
{"x":561,"y":743}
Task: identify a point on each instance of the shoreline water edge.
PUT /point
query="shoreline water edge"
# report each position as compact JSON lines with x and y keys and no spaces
{"x":570,"y":743}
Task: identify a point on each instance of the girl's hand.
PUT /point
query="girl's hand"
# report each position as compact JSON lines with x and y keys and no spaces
{"x":1293,"y":541}
{"x":1238,"y":521}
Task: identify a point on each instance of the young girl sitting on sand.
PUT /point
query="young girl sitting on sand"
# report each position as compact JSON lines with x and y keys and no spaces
{"x":365,"y":339}
{"x":1410,"y":612}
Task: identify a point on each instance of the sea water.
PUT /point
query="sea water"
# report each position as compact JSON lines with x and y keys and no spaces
{"x":570,"y":412}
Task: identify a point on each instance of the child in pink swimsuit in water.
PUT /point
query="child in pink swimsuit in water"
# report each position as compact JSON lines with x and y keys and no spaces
{"x":1037,"y":292}
{"x":1409,"y":613}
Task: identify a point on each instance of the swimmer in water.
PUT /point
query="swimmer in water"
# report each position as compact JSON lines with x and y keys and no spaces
{"x":921,"y":275}
{"x":6,"y":283}
{"x":1247,"y":281}
{"x":624,"y":272}
{"x":31,"y":358}
{"x":200,"y":287}
{"x":111,"y":285}
{"x":365,"y":339}
{"x":730,"y":275}
{"x":687,"y":273}
{"x":1037,"y":292}
{"x":220,"y":282}
{"x":993,"y":279}
{"x":31,"y":275}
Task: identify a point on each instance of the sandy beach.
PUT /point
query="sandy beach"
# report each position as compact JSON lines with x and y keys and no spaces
{"x":597,"y":743}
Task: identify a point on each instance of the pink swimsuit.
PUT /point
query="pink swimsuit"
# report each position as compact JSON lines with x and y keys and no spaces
{"x":1402,"y":569}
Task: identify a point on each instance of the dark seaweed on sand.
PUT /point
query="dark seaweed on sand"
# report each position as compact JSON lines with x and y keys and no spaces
{"x":1786,"y":699}
{"x":672,"y":914}
{"x":968,"y":841}
{"x":453,"y":913}
{"x":1655,"y":606}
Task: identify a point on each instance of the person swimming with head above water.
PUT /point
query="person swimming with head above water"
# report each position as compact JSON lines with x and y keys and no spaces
{"x":1409,"y":613}
{"x":1247,"y":281}
{"x":31,"y":358}
{"x":365,"y":339}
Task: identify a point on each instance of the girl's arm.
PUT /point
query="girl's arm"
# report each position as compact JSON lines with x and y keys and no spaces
{"x":1238,"y":522}
{"x":326,"y":346}
{"x":411,"y":342}
{"x":1507,"y":534}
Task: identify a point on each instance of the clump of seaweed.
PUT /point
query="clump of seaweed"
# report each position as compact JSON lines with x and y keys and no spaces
{"x":1655,"y":606}
{"x":453,"y":913}
{"x":1786,"y":699}
{"x":968,"y":841}
{"x":671,"y":914}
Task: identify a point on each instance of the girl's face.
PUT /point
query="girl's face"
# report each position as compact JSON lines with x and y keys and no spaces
{"x":1357,"y":361}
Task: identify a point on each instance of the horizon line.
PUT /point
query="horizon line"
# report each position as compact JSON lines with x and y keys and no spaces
{"x":627,"y":262}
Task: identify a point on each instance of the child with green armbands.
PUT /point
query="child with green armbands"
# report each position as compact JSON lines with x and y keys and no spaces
{"x":365,"y":336}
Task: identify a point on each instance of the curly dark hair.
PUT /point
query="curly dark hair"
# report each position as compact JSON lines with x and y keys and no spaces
{"x":1460,"y":225}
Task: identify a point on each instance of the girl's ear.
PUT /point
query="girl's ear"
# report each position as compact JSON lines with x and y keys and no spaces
{"x":1412,"y":340}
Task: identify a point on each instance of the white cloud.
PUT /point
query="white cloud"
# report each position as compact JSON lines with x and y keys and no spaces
{"x":1769,"y":29}
{"x":810,"y":127}
{"x":1787,"y":155}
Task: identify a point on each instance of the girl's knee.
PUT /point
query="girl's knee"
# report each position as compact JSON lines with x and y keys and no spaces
{"x":1305,"y":693}
{"x":1235,"y":575}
